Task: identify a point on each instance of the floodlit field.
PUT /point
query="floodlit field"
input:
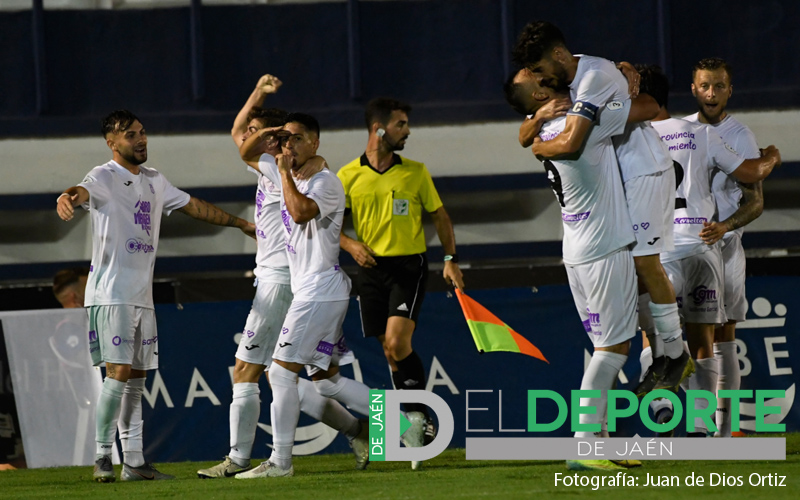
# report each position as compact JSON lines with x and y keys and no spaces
{"x":447,"y":476}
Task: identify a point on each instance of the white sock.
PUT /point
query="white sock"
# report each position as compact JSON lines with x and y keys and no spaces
{"x":600,"y":375}
{"x":108,"y":407}
{"x":730,"y":379}
{"x":645,"y":360}
{"x":347,"y":391}
{"x":285,"y":410}
{"x":130,"y":422}
{"x":328,"y":411}
{"x":244,"y":412}
{"x":704,"y":379}
{"x":657,"y":404}
{"x":668,"y":325}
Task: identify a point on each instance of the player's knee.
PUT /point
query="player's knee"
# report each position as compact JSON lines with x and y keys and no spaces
{"x":246,"y":372}
{"x":329,"y":387}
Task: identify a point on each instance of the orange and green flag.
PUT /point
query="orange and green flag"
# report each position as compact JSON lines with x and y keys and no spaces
{"x":490,"y":333}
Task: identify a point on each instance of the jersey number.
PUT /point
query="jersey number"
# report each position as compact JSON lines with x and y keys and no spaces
{"x":679,"y":202}
{"x":555,"y":181}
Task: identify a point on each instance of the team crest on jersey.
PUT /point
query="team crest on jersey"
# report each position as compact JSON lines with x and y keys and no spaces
{"x":400,"y":207}
{"x":614,"y":105}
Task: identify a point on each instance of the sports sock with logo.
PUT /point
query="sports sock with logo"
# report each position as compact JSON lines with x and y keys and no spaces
{"x":704,"y":379}
{"x":130,"y":422}
{"x":668,"y":325}
{"x":108,"y":408}
{"x":730,"y":379}
{"x":244,"y":412}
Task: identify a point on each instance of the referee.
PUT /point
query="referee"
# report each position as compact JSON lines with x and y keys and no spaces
{"x":386,"y":195}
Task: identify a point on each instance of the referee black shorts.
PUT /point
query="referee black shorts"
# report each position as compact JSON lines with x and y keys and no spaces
{"x":394,"y":287}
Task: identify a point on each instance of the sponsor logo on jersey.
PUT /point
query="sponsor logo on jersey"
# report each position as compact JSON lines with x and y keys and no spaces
{"x":128,"y":183}
{"x":690,"y":220}
{"x":150,"y":341}
{"x":117,"y":340}
{"x":654,"y":240}
{"x":286,"y":218}
{"x":135,"y":245}
{"x":284,"y":330}
{"x":325,"y":347}
{"x":284,"y":344}
{"x":142,"y":217}
{"x":702,"y":295}
{"x":575,"y":217}
{"x":402,"y":307}
{"x":92,"y":335}
{"x":249,"y":333}
{"x":260,"y":197}
{"x":251,"y":347}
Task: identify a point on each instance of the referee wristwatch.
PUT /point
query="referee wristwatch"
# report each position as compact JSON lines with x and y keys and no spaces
{"x":451,"y":258}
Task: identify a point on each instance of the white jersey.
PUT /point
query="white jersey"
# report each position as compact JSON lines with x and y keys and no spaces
{"x":639,"y":150}
{"x":725,"y":188}
{"x":697,"y":151}
{"x":312,"y":248}
{"x":272,"y":265}
{"x":589,"y":189}
{"x":126,"y":219}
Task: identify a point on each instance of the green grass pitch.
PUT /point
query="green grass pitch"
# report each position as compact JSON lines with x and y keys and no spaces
{"x":449,"y":476}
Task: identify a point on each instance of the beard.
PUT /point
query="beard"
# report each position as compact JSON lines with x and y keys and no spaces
{"x":132,"y":158}
{"x":558,"y":81}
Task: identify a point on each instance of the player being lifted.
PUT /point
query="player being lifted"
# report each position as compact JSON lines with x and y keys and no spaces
{"x":647,"y":174}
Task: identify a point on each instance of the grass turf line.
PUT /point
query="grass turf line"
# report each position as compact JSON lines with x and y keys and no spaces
{"x":447,"y":476}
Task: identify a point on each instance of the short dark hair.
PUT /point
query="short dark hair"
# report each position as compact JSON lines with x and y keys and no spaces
{"x":380,"y":110}
{"x":307,"y":121}
{"x":537,"y":39}
{"x":711,"y":64}
{"x":68,"y":277}
{"x":272,"y":117}
{"x":514,"y":92}
{"x":117,"y":121}
{"x":654,"y":83}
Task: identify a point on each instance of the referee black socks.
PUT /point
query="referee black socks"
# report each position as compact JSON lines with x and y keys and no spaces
{"x":410,"y":375}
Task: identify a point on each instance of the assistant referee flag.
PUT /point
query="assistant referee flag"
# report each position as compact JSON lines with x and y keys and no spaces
{"x":490,"y":333}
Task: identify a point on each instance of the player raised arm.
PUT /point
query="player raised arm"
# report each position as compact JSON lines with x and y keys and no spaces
{"x":267,"y":84}
{"x":69,"y":199}
{"x":206,"y":212}
{"x":748,"y":211}
{"x":265,"y":140}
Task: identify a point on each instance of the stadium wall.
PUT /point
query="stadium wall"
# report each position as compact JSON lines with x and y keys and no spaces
{"x":191,"y":391}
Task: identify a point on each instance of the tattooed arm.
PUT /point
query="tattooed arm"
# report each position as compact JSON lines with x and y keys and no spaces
{"x":747,"y":212}
{"x":206,"y":212}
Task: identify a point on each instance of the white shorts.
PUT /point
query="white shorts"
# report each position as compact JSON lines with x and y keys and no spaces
{"x":734,"y":262}
{"x":698,"y":283}
{"x":651,"y":205}
{"x":264,"y":323}
{"x":605,"y":296}
{"x":311,"y":333}
{"x":126,"y":335}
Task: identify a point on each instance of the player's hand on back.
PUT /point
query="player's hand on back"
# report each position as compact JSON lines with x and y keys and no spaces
{"x":712,"y":232}
{"x":554,"y":109}
{"x":269,"y":84}
{"x":313,"y":166}
{"x":452,"y":275}
{"x":632,"y":76}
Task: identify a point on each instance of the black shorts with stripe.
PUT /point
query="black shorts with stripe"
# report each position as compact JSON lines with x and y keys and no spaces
{"x":394,"y":287}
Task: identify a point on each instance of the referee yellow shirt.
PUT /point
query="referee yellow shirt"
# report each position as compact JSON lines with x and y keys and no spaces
{"x":387,"y":207}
